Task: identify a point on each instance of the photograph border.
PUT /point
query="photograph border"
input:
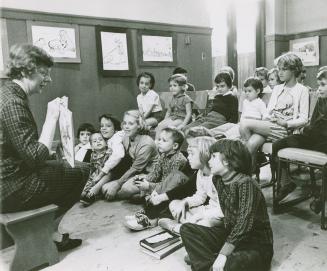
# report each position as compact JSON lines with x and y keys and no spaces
{"x":76,"y":59}
{"x":315,"y":40}
{"x":159,"y":33}
{"x":117,"y":73}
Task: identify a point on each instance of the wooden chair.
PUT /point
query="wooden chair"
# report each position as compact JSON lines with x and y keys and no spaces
{"x":308,"y":158}
{"x":267,"y":147}
{"x":32,"y":232}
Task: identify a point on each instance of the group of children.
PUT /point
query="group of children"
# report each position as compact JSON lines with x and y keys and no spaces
{"x":207,"y":195}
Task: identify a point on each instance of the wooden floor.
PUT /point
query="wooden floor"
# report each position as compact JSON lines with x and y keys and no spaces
{"x":299,"y":243}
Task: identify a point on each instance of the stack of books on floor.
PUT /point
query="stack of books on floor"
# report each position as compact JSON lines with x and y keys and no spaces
{"x":161,"y":244}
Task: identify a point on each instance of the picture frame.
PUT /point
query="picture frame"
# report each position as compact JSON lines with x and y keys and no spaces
{"x":4,"y":47}
{"x":60,"y":40}
{"x":307,"y":49}
{"x":114,"y":47}
{"x":157,"y":48}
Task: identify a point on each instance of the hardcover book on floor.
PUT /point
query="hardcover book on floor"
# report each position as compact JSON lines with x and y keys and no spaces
{"x":159,"y":241}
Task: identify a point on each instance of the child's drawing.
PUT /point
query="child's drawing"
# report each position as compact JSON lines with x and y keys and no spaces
{"x":114,"y":51}
{"x":59,"y":42}
{"x":157,"y":48}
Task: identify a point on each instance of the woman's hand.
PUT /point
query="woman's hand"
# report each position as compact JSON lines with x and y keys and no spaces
{"x":53,"y":109}
{"x":219,"y":263}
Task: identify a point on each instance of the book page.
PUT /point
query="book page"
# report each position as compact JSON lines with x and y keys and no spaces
{"x":66,"y":131}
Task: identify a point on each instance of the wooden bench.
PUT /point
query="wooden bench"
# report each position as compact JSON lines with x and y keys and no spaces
{"x":32,"y":234}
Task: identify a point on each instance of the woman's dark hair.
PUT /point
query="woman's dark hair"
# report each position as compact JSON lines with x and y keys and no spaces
{"x":235,"y":153}
{"x":85,"y":127}
{"x":224,"y":77}
{"x":114,"y":120}
{"x":146,"y":75}
{"x":25,"y":58}
{"x":255,"y":83}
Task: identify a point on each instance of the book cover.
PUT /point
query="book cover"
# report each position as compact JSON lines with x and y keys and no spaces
{"x":159,"y":240}
{"x":165,"y":251}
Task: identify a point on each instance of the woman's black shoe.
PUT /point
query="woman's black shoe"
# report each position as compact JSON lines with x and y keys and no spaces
{"x":67,"y":243}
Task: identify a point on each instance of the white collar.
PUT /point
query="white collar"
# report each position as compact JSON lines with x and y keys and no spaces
{"x":21,"y":85}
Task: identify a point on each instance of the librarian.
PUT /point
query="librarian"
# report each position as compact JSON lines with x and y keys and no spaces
{"x":28,"y":178}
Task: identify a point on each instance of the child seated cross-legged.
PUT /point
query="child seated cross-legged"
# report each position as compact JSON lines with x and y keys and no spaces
{"x":179,"y":111}
{"x":193,"y":208}
{"x":83,"y":149}
{"x":148,"y":100}
{"x":245,"y":240}
{"x":313,"y":137}
{"x":157,"y":206}
{"x":165,"y":175}
{"x":140,"y":155}
{"x":99,"y":156}
{"x":253,"y":108}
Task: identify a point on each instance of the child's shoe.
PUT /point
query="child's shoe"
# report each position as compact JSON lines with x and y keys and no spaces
{"x":170,"y":225}
{"x":136,"y":215}
{"x":141,"y":223}
{"x":87,"y":201}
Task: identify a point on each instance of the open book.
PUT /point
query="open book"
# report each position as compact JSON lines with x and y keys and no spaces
{"x":66,"y":131}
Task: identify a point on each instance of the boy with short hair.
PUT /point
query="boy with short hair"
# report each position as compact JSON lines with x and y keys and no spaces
{"x":165,"y":176}
{"x":99,"y":156}
{"x":180,"y":70}
{"x":262,"y":74}
{"x":313,"y":137}
{"x":83,"y":149}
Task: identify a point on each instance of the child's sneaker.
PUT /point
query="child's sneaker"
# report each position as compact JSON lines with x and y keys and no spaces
{"x":136,"y":215}
{"x":141,"y":223}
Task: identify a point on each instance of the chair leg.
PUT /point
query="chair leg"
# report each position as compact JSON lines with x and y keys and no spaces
{"x":276,"y":186}
{"x":313,"y":183}
{"x":323,"y":197}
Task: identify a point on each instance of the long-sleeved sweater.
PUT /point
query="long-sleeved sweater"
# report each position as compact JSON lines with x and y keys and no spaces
{"x":226,"y":105}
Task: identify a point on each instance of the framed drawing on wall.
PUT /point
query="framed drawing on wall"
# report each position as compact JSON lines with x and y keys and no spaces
{"x":4,"y":47}
{"x":157,"y":48}
{"x":114,"y":51}
{"x":307,"y":49}
{"x":60,"y":40}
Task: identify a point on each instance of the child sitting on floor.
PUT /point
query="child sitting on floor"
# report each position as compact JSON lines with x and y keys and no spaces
{"x":179,"y":111}
{"x":148,"y":100}
{"x":99,"y":156}
{"x":165,"y":175}
{"x":253,"y":108}
{"x":193,"y":208}
{"x":245,"y":240}
{"x":83,"y":149}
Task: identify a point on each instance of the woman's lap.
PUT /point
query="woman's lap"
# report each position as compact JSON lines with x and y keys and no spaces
{"x":54,"y":183}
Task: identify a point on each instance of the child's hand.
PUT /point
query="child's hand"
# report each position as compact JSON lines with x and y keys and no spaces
{"x":180,"y":212}
{"x":142,"y":184}
{"x":180,"y":127}
{"x":95,"y":190}
{"x":156,"y":199}
{"x":282,"y":122}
